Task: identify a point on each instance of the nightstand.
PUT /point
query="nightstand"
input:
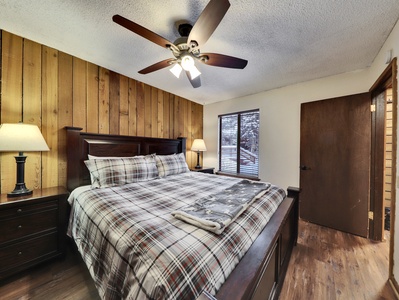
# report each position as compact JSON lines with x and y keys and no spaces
{"x":204,"y":170}
{"x":33,"y":229}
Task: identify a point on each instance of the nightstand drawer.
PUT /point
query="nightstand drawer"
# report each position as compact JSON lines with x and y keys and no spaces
{"x":29,"y":251}
{"x":24,"y":209}
{"x":22,"y":226}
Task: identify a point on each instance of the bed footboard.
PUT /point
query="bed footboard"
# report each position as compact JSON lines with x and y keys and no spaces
{"x":261,"y":272}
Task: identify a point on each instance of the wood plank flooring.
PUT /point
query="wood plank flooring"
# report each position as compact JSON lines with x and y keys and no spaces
{"x":330,"y":264}
{"x":325,"y":265}
{"x":66,"y":279}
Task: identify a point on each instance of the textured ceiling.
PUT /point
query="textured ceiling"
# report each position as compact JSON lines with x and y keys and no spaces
{"x":284,"y":41}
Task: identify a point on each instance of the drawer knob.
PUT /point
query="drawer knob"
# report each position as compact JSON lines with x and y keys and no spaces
{"x":20,"y":253}
{"x":19,"y":210}
{"x":19,"y":226}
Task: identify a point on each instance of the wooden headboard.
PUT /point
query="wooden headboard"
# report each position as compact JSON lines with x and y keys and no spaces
{"x":81,"y":144}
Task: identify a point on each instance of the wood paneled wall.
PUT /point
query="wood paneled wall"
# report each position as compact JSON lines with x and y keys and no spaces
{"x":43,"y":86}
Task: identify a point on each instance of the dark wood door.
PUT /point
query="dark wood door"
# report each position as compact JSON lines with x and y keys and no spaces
{"x":335,"y":162}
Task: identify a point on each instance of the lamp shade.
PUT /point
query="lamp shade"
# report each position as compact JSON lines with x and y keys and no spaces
{"x":20,"y":137}
{"x":198,"y":145}
{"x":176,"y":70}
{"x":194,"y":72}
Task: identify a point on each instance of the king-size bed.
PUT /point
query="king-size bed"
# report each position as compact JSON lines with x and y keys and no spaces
{"x":126,"y":221}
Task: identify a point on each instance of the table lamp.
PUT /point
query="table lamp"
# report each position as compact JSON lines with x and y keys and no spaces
{"x":198,"y":146}
{"x":21,"y":138}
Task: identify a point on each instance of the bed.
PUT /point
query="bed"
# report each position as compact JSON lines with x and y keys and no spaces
{"x":257,"y":271}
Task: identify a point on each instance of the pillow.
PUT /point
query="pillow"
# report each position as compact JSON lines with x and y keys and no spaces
{"x":124,"y":170}
{"x":171,"y":164}
{"x":101,"y":157}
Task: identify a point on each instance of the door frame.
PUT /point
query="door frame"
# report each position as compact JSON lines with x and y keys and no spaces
{"x":376,"y":221}
{"x":388,"y":76}
{"x":376,"y":205}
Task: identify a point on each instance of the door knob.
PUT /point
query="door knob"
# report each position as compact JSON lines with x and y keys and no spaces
{"x":304,"y":168}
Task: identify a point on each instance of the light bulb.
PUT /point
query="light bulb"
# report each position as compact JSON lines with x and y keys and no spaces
{"x":187,"y":62}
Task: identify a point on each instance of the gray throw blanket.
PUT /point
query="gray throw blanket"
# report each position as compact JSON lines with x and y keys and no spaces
{"x":216,"y":212}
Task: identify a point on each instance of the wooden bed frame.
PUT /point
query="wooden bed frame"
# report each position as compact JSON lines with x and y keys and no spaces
{"x":260,"y":274}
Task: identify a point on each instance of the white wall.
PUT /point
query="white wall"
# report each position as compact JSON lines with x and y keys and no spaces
{"x":280,"y":121}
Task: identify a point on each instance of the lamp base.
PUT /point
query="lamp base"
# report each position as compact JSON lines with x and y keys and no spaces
{"x":20,"y":187}
{"x":198,"y":166}
{"x":20,"y":190}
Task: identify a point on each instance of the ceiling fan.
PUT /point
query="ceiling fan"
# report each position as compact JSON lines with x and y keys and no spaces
{"x":186,"y":49}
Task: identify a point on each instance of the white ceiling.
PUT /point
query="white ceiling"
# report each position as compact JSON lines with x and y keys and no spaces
{"x":284,"y":41}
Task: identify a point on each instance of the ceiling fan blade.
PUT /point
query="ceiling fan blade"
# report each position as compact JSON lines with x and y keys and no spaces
{"x":196,"y":82}
{"x":221,"y":60}
{"x":208,"y":21}
{"x":157,"y":66}
{"x":141,"y":31}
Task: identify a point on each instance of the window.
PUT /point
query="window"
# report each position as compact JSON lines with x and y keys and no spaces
{"x":239,"y":143}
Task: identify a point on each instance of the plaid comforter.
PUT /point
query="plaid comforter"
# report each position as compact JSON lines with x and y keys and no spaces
{"x":135,"y":249}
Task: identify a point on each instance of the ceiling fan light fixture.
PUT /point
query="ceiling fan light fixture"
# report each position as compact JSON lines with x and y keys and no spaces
{"x":188,"y":65}
{"x":186,"y":48}
{"x":187,"y":62}
{"x":176,"y":70}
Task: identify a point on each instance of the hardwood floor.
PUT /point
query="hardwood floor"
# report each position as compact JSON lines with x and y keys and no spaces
{"x":325,"y":265}
{"x":59,"y":279}
{"x":330,"y":264}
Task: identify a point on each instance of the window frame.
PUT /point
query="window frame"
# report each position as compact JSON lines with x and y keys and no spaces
{"x":237,"y":173}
